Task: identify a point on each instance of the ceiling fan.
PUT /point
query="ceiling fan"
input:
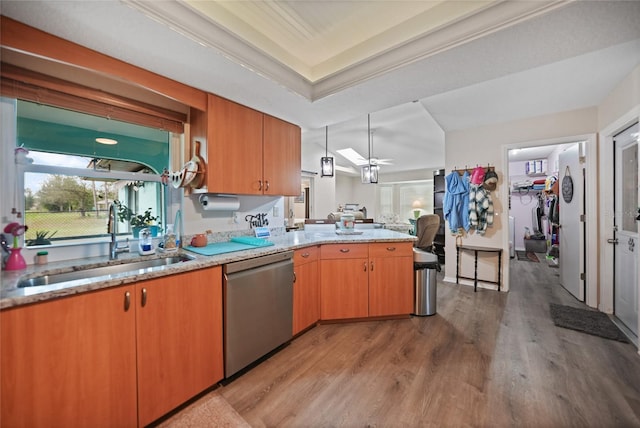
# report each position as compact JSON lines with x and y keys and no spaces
{"x":357,"y":159}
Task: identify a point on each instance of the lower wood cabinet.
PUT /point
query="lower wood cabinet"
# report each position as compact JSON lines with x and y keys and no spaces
{"x":121,"y":357}
{"x":390,"y":278}
{"x":179,"y":339}
{"x":366,"y":280}
{"x":70,"y":362}
{"x":306,"y":289}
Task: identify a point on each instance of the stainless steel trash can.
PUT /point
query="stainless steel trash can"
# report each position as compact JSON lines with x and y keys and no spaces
{"x":425,"y":290}
{"x":425,"y":265}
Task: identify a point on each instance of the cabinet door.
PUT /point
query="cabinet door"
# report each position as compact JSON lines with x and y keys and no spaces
{"x":179,"y":326}
{"x":390,"y":278}
{"x":390,"y":286}
{"x":343,"y":288}
{"x":306,"y":289}
{"x":70,"y":362}
{"x":234,"y":148}
{"x":281,"y":146}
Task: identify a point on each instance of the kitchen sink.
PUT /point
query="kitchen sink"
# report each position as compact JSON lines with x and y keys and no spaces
{"x":134,"y":267}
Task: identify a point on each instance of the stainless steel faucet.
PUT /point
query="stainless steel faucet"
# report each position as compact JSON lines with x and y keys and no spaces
{"x":112,"y":229}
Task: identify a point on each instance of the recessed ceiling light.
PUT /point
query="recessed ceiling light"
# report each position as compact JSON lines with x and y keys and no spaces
{"x":107,"y":141}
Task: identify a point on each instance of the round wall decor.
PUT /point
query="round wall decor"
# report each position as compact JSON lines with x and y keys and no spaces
{"x":567,"y":186}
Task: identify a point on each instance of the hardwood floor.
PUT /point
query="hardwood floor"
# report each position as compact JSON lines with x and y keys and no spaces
{"x":485,"y":359}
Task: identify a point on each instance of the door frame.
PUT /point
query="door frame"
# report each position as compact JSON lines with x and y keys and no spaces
{"x":591,"y":205}
{"x":606,"y":156}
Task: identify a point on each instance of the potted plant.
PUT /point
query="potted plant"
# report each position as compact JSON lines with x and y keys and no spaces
{"x":137,"y":221}
{"x":42,"y":238}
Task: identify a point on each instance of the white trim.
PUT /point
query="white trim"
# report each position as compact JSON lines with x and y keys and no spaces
{"x":93,"y":173}
{"x":591,"y":182}
{"x":606,"y":206}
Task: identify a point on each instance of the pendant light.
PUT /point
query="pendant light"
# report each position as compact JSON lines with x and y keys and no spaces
{"x":326,"y":162}
{"x":369,"y":172}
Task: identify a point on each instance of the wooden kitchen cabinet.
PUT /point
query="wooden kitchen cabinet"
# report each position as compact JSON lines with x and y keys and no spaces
{"x":344,"y":281}
{"x":281,"y":157}
{"x":390,"y":278}
{"x":70,"y":362}
{"x":179,"y":338}
{"x":248,"y":152}
{"x":306,"y":289}
{"x":76,"y":361}
{"x":366,"y":280}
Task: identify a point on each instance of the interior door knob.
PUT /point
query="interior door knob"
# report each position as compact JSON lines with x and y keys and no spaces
{"x":613,"y":241}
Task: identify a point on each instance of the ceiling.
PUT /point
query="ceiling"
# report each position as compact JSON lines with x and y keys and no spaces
{"x":420,"y":68}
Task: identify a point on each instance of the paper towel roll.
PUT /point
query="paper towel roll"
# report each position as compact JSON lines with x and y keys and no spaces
{"x":219,"y":203}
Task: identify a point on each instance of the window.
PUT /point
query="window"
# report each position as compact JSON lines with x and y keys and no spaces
{"x":396,"y":201}
{"x":70,"y":178}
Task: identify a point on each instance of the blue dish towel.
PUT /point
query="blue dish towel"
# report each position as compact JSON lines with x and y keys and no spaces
{"x":252,"y":240}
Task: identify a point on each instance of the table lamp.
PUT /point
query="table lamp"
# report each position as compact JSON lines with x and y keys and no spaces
{"x":416,"y":206}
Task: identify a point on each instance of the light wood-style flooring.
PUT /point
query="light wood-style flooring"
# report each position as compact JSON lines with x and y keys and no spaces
{"x":486,"y":359}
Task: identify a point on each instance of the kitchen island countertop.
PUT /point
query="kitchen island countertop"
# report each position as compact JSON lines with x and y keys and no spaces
{"x":11,"y":295}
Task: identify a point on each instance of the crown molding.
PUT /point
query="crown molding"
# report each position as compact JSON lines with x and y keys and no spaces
{"x":180,"y":17}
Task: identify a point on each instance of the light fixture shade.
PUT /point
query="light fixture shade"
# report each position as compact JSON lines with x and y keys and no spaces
{"x":373,"y":173}
{"x":369,"y":174}
{"x":326,"y":162}
{"x":326,"y":166}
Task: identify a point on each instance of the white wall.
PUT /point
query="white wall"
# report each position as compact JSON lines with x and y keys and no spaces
{"x":486,"y":146}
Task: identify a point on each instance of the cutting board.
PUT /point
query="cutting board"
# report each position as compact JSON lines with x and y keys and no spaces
{"x":226,"y":247}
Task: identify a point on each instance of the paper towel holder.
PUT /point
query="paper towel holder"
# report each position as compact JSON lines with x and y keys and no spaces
{"x":218,"y":202}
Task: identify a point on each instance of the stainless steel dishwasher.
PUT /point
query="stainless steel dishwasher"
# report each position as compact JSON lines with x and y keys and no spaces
{"x":258,"y":308}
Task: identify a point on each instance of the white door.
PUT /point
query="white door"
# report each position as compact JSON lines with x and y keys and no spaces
{"x":625,"y":286}
{"x":571,"y":244}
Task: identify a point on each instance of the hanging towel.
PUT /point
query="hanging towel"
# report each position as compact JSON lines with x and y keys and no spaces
{"x":456,"y":202}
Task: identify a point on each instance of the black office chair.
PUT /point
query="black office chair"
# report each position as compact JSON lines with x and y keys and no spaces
{"x":426,"y":230}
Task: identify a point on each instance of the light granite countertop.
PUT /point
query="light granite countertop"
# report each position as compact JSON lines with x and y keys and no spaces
{"x":11,"y":295}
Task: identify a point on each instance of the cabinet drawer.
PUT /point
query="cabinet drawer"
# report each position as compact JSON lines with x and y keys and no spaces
{"x":305,"y":255}
{"x":391,"y":249}
{"x":344,"y":251}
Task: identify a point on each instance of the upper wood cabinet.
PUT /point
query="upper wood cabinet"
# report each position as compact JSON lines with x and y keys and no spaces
{"x":248,"y":152}
{"x":281,"y":157}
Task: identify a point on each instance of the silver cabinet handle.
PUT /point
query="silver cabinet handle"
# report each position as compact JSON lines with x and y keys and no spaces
{"x":613,"y":241}
{"x":259,"y":184}
{"x":295,"y":278}
{"x":371,"y":266}
{"x":143,"y":302}
{"x":305,"y":255}
{"x":266,"y":185}
{"x":127,"y":301}
{"x":365,"y":266}
{"x":391,"y":248}
{"x":344,"y":250}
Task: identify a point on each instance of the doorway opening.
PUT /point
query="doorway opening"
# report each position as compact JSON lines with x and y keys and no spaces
{"x":299,"y":208}
{"x":546,"y":211}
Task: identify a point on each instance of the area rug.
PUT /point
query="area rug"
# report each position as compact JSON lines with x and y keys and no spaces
{"x":586,"y":321}
{"x":211,"y":410}
{"x":527,"y":256}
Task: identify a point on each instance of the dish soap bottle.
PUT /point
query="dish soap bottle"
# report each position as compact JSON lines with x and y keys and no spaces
{"x":170,"y":241}
{"x":145,"y":243}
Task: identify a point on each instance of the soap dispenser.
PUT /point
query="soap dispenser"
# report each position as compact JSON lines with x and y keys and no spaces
{"x":170,"y":242}
{"x":145,"y":243}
